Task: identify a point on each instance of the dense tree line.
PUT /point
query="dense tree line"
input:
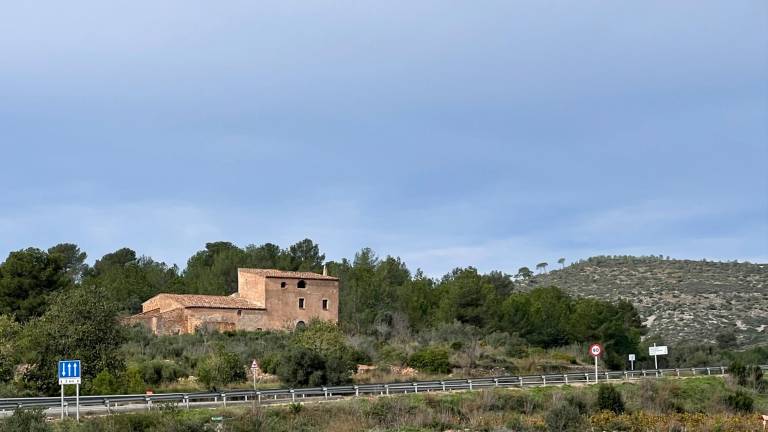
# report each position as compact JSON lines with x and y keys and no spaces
{"x":46,"y":296}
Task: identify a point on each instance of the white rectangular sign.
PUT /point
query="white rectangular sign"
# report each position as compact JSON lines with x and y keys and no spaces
{"x":657,"y":350}
{"x":631,"y":357}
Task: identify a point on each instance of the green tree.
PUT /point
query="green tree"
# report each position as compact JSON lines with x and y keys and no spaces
{"x":214,"y":270}
{"x":9,"y":332}
{"x":71,"y":259}
{"x":305,"y":256}
{"x":27,"y":278}
{"x":561,"y":261}
{"x":129,"y":280}
{"x":81,"y":323}
{"x":524,"y":273}
{"x":417,"y":298}
{"x":467,"y":297}
{"x":541,"y":316}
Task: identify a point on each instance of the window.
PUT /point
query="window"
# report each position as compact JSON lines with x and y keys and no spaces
{"x":325,"y":304}
{"x":282,"y":284}
{"x":301,"y":303}
{"x":302,"y":284}
{"x":239,"y":312}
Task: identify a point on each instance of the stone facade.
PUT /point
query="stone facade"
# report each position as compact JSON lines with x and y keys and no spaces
{"x":265,"y":300}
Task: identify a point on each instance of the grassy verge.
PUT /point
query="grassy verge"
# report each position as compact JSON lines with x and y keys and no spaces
{"x":664,"y":405}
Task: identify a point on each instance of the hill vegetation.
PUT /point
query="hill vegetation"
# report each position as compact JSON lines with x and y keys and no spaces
{"x":467,"y":323}
{"x":678,"y":300}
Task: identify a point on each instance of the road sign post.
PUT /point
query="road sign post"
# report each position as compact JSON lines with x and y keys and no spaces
{"x":656,"y":351}
{"x":632,"y":361}
{"x":70,"y":372}
{"x":254,"y":368}
{"x":595,"y":350}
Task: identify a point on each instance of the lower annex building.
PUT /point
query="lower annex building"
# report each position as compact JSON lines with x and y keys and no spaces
{"x":266,"y":299}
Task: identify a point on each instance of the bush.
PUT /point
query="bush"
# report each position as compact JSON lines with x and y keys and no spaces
{"x":431,"y":359}
{"x":564,"y":417}
{"x":269,"y":362}
{"x":609,"y":399}
{"x":220,"y":368}
{"x":26,"y":420}
{"x":105,"y":384}
{"x":300,"y":366}
{"x":739,"y":401}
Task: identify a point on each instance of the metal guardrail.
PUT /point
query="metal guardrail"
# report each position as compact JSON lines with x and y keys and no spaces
{"x":109,"y":402}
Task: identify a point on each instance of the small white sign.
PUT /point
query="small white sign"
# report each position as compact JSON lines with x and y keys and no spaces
{"x":631,"y":357}
{"x":69,"y":381}
{"x":657,"y":350}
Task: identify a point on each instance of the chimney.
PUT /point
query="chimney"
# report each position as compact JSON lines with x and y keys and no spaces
{"x":325,"y":270}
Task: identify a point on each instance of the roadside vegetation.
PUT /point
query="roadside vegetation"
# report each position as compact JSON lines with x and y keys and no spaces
{"x":701,"y":404}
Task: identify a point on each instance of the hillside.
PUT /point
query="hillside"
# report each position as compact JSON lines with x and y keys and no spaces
{"x":680,"y":300}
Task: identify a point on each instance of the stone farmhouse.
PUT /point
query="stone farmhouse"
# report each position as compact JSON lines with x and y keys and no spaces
{"x":266,"y":299}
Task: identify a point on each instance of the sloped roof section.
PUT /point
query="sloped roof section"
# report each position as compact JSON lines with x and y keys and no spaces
{"x":209,"y":301}
{"x":273,"y":273}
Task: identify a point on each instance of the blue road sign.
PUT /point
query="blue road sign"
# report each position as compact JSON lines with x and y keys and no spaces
{"x":69,"y":371}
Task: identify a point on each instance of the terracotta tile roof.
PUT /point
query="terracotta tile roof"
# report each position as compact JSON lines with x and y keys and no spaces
{"x":209,"y":301}
{"x":272,"y":273}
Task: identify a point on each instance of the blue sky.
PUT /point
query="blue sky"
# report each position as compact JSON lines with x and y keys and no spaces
{"x":493,"y":134}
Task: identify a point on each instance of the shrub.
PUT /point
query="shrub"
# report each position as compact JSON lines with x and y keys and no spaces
{"x":26,"y":420}
{"x":739,"y":401}
{"x":105,"y":384}
{"x":609,"y":399}
{"x":431,"y":359}
{"x":220,"y":368}
{"x":564,"y":417}
{"x":269,"y":362}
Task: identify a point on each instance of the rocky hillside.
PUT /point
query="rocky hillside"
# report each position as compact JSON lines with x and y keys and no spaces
{"x":680,"y":300}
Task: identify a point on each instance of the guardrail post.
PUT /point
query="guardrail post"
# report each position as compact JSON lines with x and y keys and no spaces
{"x":693,"y":371}
{"x":357,"y":391}
{"x":442,"y":383}
{"x":470,"y":384}
{"x":565,"y":376}
{"x":643,"y":372}
{"x":415,"y":387}
{"x":325,"y":392}
{"x":186,"y":401}
{"x":293,"y":396}
{"x":677,"y":371}
{"x":722,"y":370}
{"x":386,"y":388}
{"x":258,"y":397}
{"x":149,"y":404}
{"x":607,"y":378}
{"x":224,"y":399}
{"x":626,"y":376}
{"x":586,"y":376}
{"x":709,"y":372}
{"x":109,"y":411}
{"x":543,"y":380}
{"x":521,"y":382}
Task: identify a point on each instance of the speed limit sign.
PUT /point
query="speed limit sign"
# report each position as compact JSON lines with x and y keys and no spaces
{"x":595,"y":350}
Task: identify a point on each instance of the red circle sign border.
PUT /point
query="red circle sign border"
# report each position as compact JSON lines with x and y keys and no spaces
{"x":599,"y":348}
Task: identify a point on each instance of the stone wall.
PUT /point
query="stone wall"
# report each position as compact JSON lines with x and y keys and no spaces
{"x":283,"y":303}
